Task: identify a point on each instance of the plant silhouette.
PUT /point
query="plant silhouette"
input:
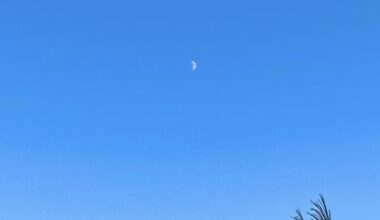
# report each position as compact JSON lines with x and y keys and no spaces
{"x":318,"y":211}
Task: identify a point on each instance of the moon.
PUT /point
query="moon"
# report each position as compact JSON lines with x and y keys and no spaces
{"x":193,"y":65}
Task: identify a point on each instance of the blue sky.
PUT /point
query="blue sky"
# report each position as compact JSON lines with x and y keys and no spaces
{"x":102,"y":118}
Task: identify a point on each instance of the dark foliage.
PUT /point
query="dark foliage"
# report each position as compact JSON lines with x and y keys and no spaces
{"x":318,"y":211}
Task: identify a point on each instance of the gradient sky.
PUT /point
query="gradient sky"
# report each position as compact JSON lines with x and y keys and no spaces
{"x":102,"y":118}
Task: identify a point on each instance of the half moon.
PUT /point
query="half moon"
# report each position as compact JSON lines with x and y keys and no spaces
{"x":193,"y":65}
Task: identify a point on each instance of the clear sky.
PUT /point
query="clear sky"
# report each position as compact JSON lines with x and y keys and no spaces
{"x":101,"y":116}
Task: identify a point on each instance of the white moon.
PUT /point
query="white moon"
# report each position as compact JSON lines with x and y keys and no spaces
{"x":193,"y":65}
